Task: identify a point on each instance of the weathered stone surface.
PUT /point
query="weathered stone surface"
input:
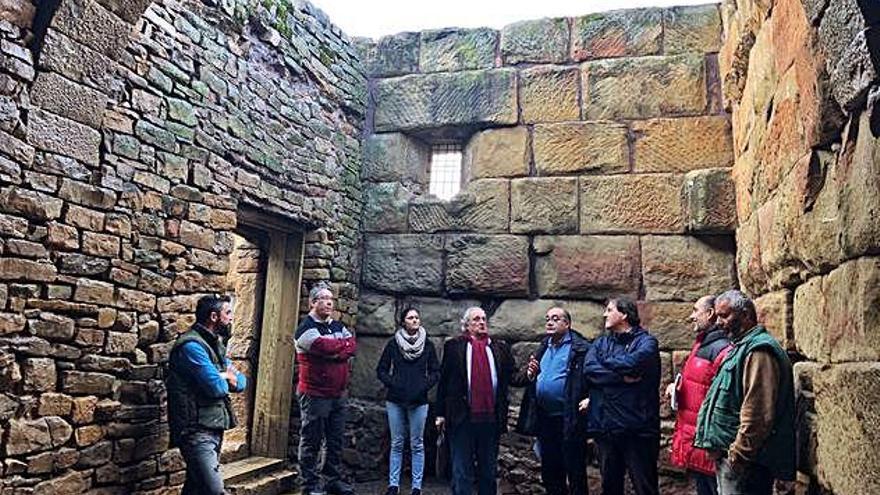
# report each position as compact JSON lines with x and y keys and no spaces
{"x":71,"y":482}
{"x":775,"y":313}
{"x":93,"y":291}
{"x":26,"y":436}
{"x":393,"y":55}
{"x":363,"y":374}
{"x":695,"y":28}
{"x":92,"y":25}
{"x":846,"y":405}
{"x":120,"y":343}
{"x":404,"y":263}
{"x":860,"y":193}
{"x":457,"y":49}
{"x":674,"y":85}
{"x":87,"y":194}
{"x":395,"y":157}
{"x":55,"y":404}
{"x":33,"y":271}
{"x":18,"y":12}
{"x":592,"y":267}
{"x":78,"y":382}
{"x":385,"y":207}
{"x":834,"y":315}
{"x":619,"y":33}
{"x":607,"y":204}
{"x":440,"y":316}
{"x":434,"y":100}
{"x":544,"y":205}
{"x":549,"y":94}
{"x":39,"y":375}
{"x":79,"y":264}
{"x":11,"y":323}
{"x":668,"y":321}
{"x":62,"y":97}
{"x":683,"y":144}
{"x":56,"y":134}
{"x":710,"y":201}
{"x":377,"y":314}
{"x":481,"y":207}
{"x":31,"y":204}
{"x":581,"y":147}
{"x":686,"y":268}
{"x":498,"y":153}
{"x":196,"y":236}
{"x":76,"y":62}
{"x":487,"y":265}
{"x":520,"y":319}
{"x":541,"y":40}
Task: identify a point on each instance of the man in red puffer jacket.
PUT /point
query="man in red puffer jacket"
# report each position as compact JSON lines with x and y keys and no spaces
{"x":690,"y":389}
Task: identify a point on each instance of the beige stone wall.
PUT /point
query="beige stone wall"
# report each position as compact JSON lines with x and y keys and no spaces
{"x":597,"y":158}
{"x":801,"y":82}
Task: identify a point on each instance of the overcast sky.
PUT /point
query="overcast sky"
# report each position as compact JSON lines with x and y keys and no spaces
{"x":376,"y":18}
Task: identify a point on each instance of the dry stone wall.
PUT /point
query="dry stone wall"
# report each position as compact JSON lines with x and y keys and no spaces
{"x":132,"y":136}
{"x":597,"y":163}
{"x":801,"y":80}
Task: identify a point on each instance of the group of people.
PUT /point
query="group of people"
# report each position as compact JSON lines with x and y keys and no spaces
{"x":734,"y":399}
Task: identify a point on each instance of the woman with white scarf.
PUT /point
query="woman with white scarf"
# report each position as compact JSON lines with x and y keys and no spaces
{"x":409,"y":369}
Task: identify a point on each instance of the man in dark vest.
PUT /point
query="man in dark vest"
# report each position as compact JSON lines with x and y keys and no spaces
{"x":549,"y":410}
{"x":747,"y":419}
{"x":199,"y":382}
{"x":689,"y":390}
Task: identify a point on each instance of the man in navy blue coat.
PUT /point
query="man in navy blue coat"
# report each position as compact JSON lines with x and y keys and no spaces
{"x":623,"y":370}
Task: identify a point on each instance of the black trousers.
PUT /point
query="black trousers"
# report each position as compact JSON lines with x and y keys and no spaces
{"x":621,"y":454}
{"x":563,"y":460}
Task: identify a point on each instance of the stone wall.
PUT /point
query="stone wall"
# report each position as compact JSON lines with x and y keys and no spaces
{"x":132,"y":136}
{"x":597,"y":158}
{"x":801,"y":80}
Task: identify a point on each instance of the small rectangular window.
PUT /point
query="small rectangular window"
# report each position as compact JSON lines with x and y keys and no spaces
{"x":445,"y":170}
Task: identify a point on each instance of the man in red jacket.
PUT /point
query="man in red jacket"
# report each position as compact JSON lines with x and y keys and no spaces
{"x":690,"y":389}
{"x":323,"y":350}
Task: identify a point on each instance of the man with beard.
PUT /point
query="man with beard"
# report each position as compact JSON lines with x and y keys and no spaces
{"x":690,"y":389}
{"x":199,"y":382}
{"x":747,"y":419}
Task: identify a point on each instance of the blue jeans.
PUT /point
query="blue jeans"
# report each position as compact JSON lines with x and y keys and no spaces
{"x":706,"y":483}
{"x":755,"y":480}
{"x":201,"y":452}
{"x":321,"y":419}
{"x":398,"y":418}
{"x":469,"y":441}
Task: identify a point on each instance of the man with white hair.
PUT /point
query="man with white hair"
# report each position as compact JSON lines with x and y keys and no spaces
{"x":472,"y":402}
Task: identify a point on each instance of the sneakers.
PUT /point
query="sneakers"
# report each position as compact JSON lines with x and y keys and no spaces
{"x":339,"y":488}
{"x":392,"y":490}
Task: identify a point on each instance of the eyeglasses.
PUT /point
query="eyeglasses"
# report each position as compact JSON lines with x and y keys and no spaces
{"x":554,"y":319}
{"x":325,"y":298}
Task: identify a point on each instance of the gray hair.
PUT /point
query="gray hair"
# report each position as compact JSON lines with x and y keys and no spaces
{"x":466,"y":317}
{"x":739,"y":303}
{"x":708,"y":301}
{"x":313,"y":294}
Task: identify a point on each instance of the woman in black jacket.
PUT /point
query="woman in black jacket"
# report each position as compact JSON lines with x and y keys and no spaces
{"x":408,"y":368}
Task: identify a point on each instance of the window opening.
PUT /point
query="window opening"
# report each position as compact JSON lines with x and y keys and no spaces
{"x":446,"y":161}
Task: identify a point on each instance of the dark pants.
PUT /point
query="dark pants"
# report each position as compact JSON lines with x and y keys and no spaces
{"x":706,"y":483}
{"x":563,"y":462}
{"x":201,"y":452}
{"x":620,"y":454}
{"x":755,"y":480}
{"x":469,"y":441}
{"x":322,"y":419}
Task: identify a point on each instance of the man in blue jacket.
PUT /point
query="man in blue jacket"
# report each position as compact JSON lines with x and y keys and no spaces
{"x":623,"y":370}
{"x":199,"y":382}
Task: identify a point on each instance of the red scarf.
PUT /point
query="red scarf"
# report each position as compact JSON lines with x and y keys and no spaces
{"x":482,"y":393}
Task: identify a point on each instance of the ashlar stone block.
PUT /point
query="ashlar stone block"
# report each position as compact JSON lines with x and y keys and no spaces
{"x":632,"y":203}
{"x":581,"y":147}
{"x":483,"y":207}
{"x":683,"y":144}
{"x":385,"y":207}
{"x":457,"y":49}
{"x":522,"y":319}
{"x":710,"y":201}
{"x":395,"y":157}
{"x":544,"y":205}
{"x":481,"y":264}
{"x":56,"y":134}
{"x":686,"y":268}
{"x":393,"y":55}
{"x":693,"y":28}
{"x":404,"y":263}
{"x":536,"y":41}
{"x":668,"y":321}
{"x":500,"y":152}
{"x":619,"y":33}
{"x":442,"y":316}
{"x":593,"y":267}
{"x":549,"y":94}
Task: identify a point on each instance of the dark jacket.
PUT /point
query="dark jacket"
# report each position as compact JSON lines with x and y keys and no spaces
{"x":408,"y":382}
{"x":452,"y":390}
{"x":618,"y":407}
{"x":574,"y":423}
{"x":323,"y":350}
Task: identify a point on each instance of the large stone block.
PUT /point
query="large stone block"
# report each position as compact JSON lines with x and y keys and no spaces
{"x":710,"y":201}
{"x":632,"y":203}
{"x":404,"y":263}
{"x":93,"y":25}
{"x":860,"y":192}
{"x":498,"y":153}
{"x":846,"y":417}
{"x":549,"y":94}
{"x":674,"y":85}
{"x":751,"y":273}
{"x":26,"y":270}
{"x":683,"y":144}
{"x":68,"y":99}
{"x":521,"y":319}
{"x":56,"y":134}
{"x":77,"y":62}
{"x":536,"y":41}
{"x":695,"y":28}
{"x":440,"y":316}
{"x":619,"y":33}
{"x":482,"y":264}
{"x":393,"y":55}
{"x":377,"y":314}
{"x":669,"y":322}
{"x":581,"y":147}
{"x":395,"y":157}
{"x":457,"y":49}
{"x":775,"y":313}
{"x":26,"y":436}
{"x":592,"y":267}
{"x":835,"y":315}
{"x":385,"y":207}
{"x":544,"y":205}
{"x":687,"y":268}
{"x":79,"y":382}
{"x":436,"y":100}
{"x":30,"y":204}
{"x":482,"y":207}
{"x":39,"y":375}
{"x":363,"y":374}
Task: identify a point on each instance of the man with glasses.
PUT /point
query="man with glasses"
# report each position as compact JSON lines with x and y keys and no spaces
{"x":324,"y":347}
{"x":550,"y":406}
